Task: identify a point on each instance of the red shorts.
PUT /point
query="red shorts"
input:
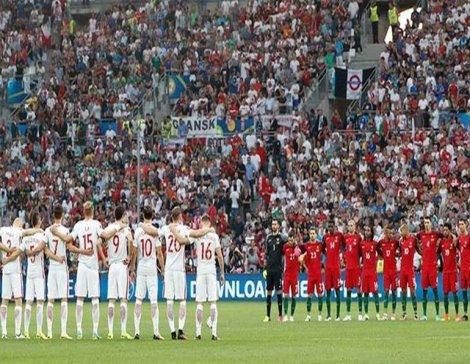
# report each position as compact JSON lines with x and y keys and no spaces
{"x":465,"y":279}
{"x":449,"y":282}
{"x":353,"y":278}
{"x":315,"y":284}
{"x":429,"y":278}
{"x":332,"y":279}
{"x":369,"y":283}
{"x":407,"y":280}
{"x":390,"y":281}
{"x":290,"y":285}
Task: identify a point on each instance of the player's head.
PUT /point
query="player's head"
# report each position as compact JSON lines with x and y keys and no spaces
{"x":388,"y":232}
{"x":18,"y":223}
{"x":148,"y":213}
{"x":176,"y":215}
{"x":291,"y":237}
{"x":331,"y":227}
{"x":206,"y":221}
{"x":58,"y":211}
{"x":368,"y":232}
{"x":119,"y":212}
{"x":404,"y":231}
{"x":88,"y":209}
{"x":446,"y":229}
{"x":462,"y":226}
{"x":275,"y":225}
{"x":35,"y":219}
{"x":427,"y":224}
{"x":312,"y":233}
{"x":351,"y":226}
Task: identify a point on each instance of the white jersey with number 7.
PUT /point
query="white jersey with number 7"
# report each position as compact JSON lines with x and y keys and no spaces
{"x":87,"y":232}
{"x":57,"y":246}
{"x":175,"y":259}
{"x":205,"y":248}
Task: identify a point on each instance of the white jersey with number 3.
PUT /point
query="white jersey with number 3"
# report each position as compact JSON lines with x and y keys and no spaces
{"x":205,"y":248}
{"x":57,"y":246}
{"x":87,"y":232}
{"x":35,"y":262}
{"x":175,"y":259}
{"x":117,"y":245}
{"x":11,"y":237}
{"x":146,"y":246}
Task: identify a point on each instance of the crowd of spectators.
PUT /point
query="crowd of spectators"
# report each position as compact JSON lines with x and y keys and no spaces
{"x":391,"y":164}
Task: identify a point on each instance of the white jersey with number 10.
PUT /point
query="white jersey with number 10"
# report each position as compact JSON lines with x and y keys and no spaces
{"x":87,"y":232}
{"x":175,"y":259}
{"x":205,"y":248}
{"x":146,"y":246}
{"x":117,"y":245}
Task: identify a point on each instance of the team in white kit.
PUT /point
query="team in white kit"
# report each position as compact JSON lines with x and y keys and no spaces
{"x":125,"y":253}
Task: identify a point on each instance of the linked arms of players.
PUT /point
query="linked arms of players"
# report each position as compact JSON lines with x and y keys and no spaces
{"x":195,"y":234}
{"x":13,"y":254}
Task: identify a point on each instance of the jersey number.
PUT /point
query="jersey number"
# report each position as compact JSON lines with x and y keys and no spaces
{"x":313,"y":255}
{"x":407,"y":251}
{"x":116,"y":243}
{"x":87,"y":242}
{"x":367,"y":256}
{"x":332,"y":245}
{"x":206,"y":253}
{"x":9,"y":247}
{"x":146,"y":247}
{"x":56,"y":243}
{"x":32,"y":259}
{"x":173,"y":246}
{"x":388,"y":253}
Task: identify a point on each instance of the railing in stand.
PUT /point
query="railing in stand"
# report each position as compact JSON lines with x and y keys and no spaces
{"x":365,"y":89}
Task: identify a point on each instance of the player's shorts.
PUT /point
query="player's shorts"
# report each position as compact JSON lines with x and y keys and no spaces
{"x":118,"y":281}
{"x":35,"y":288}
{"x":290,"y":285}
{"x":206,"y":288}
{"x":407,"y":280}
{"x":429,"y":278}
{"x":465,"y":279}
{"x":390,"y":281}
{"x":175,"y":285}
{"x":315,"y":284}
{"x":369,"y":283}
{"x":147,"y":283}
{"x":353,"y":278}
{"x":449,"y":282}
{"x":274,"y":281}
{"x":58,"y":284}
{"x":332,"y":279}
{"x":88,"y":282}
{"x":12,"y":286}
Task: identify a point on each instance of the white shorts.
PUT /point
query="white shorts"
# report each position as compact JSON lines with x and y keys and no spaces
{"x":12,"y":286}
{"x":206,"y":288}
{"x":58,"y":284}
{"x":88,"y":282}
{"x":35,"y":288}
{"x":175,"y":285}
{"x":147,"y":283}
{"x":118,"y":281}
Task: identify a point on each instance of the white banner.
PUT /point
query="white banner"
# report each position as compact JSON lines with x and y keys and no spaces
{"x":354,"y":84}
{"x":198,"y":127}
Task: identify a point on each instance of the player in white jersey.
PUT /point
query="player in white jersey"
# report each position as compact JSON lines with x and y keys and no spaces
{"x":120,"y":254}
{"x":34,"y":247}
{"x":175,"y":270}
{"x":58,"y":277}
{"x":207,"y":248}
{"x":149,"y":249}
{"x":12,"y":279}
{"x":88,"y":233}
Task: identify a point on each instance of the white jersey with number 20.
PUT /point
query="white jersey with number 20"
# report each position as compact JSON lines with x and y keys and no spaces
{"x":175,"y":260}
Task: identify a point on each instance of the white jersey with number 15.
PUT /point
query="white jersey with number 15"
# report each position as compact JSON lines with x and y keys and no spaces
{"x":87,"y":233}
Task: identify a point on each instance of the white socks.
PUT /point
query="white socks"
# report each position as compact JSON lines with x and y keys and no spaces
{"x":39,"y":316}
{"x":155,"y":314}
{"x":123,"y":317}
{"x":110,"y":317}
{"x":170,"y":315}
{"x":64,"y":313}
{"x":27,"y":317}
{"x":214,"y":315}
{"x":137,"y":315}
{"x":182,"y":315}
{"x":199,"y":313}
{"x":50,"y":318}
{"x":3,"y":319}
{"x":79,"y":315}
{"x":18,"y":313}
{"x":95,"y":302}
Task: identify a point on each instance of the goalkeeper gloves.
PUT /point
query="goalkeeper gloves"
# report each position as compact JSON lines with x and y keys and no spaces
{"x":265,"y":273}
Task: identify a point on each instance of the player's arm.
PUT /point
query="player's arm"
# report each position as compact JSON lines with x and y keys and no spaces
{"x":130,"y":249}
{"x":161,"y":261}
{"x":418,"y":245}
{"x":6,"y":249}
{"x":29,"y":232}
{"x":101,"y":254}
{"x":150,"y":230}
{"x":52,"y":256}
{"x":37,"y":250}
{"x":199,"y":233}
{"x":107,"y":234}
{"x":183,"y":240}
{"x":73,"y":249}
{"x":220,"y":259}
{"x":64,"y":237}
{"x":16,"y":253}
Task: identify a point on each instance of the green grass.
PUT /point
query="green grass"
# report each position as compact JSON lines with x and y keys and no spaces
{"x":246,"y":339}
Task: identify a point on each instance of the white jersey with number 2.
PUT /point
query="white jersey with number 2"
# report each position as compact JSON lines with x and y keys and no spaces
{"x":175,"y":259}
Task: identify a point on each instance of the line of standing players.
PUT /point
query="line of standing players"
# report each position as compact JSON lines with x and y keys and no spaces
{"x":360,"y":254}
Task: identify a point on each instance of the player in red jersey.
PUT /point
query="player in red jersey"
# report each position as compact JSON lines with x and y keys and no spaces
{"x":448,"y":249}
{"x":388,"y":248}
{"x":334,"y":242}
{"x":429,"y":243}
{"x":408,"y":247}
{"x":291,"y":274}
{"x":464,"y":249}
{"x":369,"y":253}
{"x":312,"y":261}
{"x":352,"y":257}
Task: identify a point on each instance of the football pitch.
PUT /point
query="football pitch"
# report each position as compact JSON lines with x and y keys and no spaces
{"x":246,"y":339}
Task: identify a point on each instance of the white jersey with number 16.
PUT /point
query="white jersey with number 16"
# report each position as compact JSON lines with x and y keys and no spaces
{"x":205,"y":248}
{"x":175,"y":258}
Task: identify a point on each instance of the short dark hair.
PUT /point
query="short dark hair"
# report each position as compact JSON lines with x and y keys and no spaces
{"x":291,"y":234}
{"x":148,"y":213}
{"x":175,"y":214}
{"x":35,"y":217}
{"x":119,"y":212}
{"x":58,"y":211}
{"x":276,"y":220}
{"x":448,"y":226}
